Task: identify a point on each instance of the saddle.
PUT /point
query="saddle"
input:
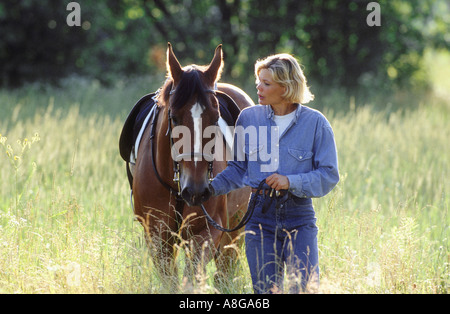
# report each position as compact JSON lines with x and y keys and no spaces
{"x":133,"y":125}
{"x":144,"y":113}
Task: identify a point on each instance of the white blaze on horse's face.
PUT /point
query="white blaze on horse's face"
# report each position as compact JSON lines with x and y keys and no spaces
{"x":196,"y":112}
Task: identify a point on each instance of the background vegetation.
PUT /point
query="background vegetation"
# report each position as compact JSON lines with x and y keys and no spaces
{"x":66,"y":225}
{"x":128,"y":37}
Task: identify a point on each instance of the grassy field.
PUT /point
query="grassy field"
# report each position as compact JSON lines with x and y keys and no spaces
{"x":66,"y":225}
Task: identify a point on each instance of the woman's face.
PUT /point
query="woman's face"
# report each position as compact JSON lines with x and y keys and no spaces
{"x":269,"y":92}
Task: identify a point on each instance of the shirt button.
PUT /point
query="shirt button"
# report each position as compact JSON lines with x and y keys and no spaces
{"x":301,"y":157}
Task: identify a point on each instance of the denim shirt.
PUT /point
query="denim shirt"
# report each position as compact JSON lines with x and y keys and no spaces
{"x":305,"y":153}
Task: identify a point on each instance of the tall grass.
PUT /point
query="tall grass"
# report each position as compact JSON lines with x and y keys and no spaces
{"x":385,"y":227}
{"x":66,"y":225}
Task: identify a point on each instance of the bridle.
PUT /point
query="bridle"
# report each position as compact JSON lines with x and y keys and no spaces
{"x":179,"y":205}
{"x":192,"y":155}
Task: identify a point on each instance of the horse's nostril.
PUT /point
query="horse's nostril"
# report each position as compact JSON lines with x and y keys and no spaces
{"x":206,"y":194}
{"x":194,"y":198}
{"x":186,"y":194}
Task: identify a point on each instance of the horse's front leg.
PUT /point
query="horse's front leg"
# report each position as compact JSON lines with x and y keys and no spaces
{"x":161,"y":239}
{"x":200,"y":247}
{"x":227,"y":260}
{"x":231,"y":244}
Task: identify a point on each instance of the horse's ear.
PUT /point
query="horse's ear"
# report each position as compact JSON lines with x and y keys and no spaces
{"x":173,"y":66}
{"x":214,"y":71}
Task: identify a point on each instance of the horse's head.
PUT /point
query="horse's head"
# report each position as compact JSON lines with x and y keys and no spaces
{"x":192,"y":109}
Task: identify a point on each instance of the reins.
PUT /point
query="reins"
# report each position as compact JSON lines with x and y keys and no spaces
{"x":179,"y":201}
{"x":269,"y":198}
{"x":245,"y":219}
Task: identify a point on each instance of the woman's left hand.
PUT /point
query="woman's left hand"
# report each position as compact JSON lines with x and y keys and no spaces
{"x":278,"y":182}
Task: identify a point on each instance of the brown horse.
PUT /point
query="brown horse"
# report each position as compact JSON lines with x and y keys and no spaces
{"x":169,"y":209}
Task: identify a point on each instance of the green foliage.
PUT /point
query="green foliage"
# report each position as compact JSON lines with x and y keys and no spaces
{"x":36,"y":42}
{"x":128,"y":37}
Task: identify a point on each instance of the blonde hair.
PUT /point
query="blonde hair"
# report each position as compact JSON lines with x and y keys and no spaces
{"x":287,"y":72}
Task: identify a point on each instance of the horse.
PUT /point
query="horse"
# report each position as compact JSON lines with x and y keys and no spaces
{"x":168,"y":189}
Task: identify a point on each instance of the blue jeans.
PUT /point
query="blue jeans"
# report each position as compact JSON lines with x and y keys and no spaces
{"x":279,"y":238}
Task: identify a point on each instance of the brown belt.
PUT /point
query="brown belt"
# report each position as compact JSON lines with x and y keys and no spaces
{"x":268,"y":191}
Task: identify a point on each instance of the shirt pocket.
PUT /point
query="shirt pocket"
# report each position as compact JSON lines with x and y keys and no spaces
{"x":301,"y":160}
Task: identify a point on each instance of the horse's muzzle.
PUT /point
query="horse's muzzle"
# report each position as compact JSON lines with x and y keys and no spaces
{"x":195,"y":196}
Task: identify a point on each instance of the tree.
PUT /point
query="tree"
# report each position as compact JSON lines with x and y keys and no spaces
{"x":128,"y":37}
{"x":35,"y":43}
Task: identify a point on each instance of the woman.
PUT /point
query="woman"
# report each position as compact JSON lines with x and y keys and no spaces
{"x":282,"y":231}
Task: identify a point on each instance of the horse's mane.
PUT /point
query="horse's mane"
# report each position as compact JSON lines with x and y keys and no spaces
{"x":190,"y":86}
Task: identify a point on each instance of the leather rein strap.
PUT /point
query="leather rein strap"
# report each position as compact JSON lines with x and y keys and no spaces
{"x":179,"y":201}
{"x":245,"y":219}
